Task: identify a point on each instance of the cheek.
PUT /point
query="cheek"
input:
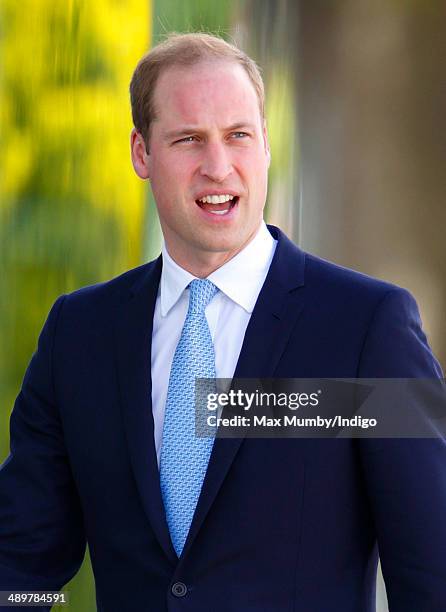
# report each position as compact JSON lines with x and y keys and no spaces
{"x":174,"y":174}
{"x":252,"y":165}
{"x":169,"y":185}
{"x":256,"y":181}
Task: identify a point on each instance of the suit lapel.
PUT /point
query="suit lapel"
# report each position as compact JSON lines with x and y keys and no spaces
{"x":275,"y":314}
{"x":133,"y":337}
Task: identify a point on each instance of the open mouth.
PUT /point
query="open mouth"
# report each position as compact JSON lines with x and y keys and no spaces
{"x":218,"y":205}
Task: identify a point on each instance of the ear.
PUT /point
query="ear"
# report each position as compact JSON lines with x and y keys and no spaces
{"x":140,"y":157}
{"x":266,"y":143}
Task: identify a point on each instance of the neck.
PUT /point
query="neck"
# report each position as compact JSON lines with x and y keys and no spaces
{"x":202,"y":267}
{"x":202,"y":263}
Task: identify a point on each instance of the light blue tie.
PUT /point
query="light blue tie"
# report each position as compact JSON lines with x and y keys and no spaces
{"x":184,"y":457}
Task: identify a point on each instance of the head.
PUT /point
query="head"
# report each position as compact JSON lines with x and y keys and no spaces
{"x":200,"y":134}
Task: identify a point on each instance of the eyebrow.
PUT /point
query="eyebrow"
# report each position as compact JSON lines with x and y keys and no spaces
{"x":191,"y":129}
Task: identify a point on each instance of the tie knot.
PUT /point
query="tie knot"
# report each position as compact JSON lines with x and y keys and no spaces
{"x":201,"y":293}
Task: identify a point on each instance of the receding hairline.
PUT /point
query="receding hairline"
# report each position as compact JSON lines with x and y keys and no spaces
{"x":185,"y":50}
{"x":200,"y":63}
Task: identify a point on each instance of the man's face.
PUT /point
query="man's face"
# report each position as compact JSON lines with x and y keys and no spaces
{"x":208,"y":140}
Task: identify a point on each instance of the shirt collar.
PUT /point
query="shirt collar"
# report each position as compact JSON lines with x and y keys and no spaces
{"x":240,"y":278}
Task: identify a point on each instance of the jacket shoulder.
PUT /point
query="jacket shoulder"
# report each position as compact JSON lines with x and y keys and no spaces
{"x":115,"y":289}
{"x":335,"y":279}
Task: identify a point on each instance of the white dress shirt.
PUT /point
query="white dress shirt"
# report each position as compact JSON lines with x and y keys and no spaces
{"x":239,"y":281}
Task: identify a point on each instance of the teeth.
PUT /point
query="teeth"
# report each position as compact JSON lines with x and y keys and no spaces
{"x":219,"y":212}
{"x":216,"y":199}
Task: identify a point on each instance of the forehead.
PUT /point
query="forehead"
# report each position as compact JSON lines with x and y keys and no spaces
{"x":205,"y":91}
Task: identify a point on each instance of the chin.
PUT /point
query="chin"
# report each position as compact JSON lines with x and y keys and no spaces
{"x":217,"y":242}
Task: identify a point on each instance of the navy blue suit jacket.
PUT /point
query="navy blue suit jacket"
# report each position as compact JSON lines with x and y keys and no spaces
{"x":281,"y":525}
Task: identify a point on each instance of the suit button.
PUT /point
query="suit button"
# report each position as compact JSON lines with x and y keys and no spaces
{"x":179,"y":589}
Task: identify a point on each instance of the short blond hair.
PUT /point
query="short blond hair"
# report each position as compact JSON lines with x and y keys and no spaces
{"x":183,"y":50}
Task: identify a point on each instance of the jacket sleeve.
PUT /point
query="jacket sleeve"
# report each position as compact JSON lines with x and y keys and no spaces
{"x":406,"y":478}
{"x":42,"y":539}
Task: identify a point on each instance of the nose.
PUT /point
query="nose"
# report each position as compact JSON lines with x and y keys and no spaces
{"x":216,"y":164}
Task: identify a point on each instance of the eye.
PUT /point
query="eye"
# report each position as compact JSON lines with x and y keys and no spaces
{"x":187,"y":139}
{"x":238,"y":135}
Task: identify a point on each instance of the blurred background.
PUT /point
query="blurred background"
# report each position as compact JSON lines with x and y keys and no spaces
{"x":356,"y":98}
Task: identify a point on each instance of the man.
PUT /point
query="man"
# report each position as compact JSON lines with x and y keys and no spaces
{"x":102,"y":443}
